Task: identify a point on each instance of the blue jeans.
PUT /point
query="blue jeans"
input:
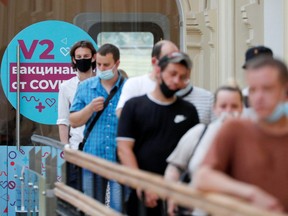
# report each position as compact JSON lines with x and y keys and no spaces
{"x":115,"y":190}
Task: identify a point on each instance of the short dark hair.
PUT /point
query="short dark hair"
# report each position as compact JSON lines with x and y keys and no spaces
{"x":265,"y":61}
{"x":83,"y":44}
{"x":110,"y":48}
{"x":228,"y":88}
{"x":175,"y":57}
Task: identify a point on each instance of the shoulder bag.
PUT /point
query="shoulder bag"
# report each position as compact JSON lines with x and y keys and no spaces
{"x":90,"y":127}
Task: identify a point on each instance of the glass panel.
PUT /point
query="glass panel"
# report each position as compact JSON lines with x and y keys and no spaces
{"x":139,"y":16}
{"x":135,"y":50}
{"x":135,"y":42}
{"x":29,"y":191}
{"x":33,"y":171}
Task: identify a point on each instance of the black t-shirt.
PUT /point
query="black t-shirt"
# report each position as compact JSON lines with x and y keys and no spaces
{"x":156,"y":129}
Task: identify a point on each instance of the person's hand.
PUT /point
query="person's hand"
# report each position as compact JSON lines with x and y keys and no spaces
{"x":150,"y":198}
{"x":262,"y":199}
{"x":97,"y":104}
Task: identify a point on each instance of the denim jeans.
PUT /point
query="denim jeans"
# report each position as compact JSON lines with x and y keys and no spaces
{"x":115,"y":190}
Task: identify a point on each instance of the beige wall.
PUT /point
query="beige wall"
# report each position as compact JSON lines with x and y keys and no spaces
{"x":285,"y":31}
{"x":201,"y":37}
{"x":249,"y":31}
{"x":218,"y":34}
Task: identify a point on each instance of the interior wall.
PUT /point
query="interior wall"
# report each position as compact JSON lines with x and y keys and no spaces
{"x":274,"y":21}
{"x":218,"y":32}
{"x":249,"y":31}
{"x":216,"y":46}
{"x":285,"y":34}
{"x":201,"y":40}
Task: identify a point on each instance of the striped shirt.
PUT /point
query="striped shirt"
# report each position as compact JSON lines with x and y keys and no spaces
{"x":203,"y":101}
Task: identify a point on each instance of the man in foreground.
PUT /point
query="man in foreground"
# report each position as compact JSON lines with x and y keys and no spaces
{"x":248,"y":158}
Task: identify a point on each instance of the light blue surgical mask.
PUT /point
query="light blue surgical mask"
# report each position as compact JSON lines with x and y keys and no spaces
{"x":280,"y":111}
{"x":106,"y":74}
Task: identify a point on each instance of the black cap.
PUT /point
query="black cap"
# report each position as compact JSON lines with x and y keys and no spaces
{"x":256,"y":51}
{"x":176,"y":57}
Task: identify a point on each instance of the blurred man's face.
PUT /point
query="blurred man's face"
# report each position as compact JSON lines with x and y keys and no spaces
{"x":175,"y":76}
{"x":106,"y":62}
{"x":265,"y":90}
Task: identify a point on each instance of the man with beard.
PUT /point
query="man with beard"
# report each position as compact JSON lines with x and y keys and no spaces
{"x":150,"y":126}
{"x":140,"y":85}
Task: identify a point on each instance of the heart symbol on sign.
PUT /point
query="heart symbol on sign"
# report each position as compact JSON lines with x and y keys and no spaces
{"x":64,"y":51}
{"x":50,"y":101}
{"x":4,"y":184}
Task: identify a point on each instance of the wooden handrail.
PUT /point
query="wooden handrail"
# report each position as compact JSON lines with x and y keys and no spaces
{"x":82,"y":202}
{"x":180,"y":193}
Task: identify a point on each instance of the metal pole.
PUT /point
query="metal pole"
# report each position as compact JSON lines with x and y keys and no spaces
{"x":18,"y":100}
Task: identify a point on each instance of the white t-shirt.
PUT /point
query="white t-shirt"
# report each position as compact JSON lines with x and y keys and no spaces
{"x":66,"y":95}
{"x":134,"y":87}
{"x":181,"y":156}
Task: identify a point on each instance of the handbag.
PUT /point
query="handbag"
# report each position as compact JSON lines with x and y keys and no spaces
{"x":185,"y":176}
{"x":75,"y":172}
{"x":90,"y":127}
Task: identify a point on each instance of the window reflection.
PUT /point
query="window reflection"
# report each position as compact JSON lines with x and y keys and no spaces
{"x":135,"y":50}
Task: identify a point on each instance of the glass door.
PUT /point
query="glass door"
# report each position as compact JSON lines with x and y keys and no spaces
{"x":35,"y":39}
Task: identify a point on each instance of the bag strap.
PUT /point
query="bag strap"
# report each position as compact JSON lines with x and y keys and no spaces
{"x":106,"y":102}
{"x":198,"y":142}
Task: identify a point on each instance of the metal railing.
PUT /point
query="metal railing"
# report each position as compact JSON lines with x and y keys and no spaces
{"x":181,"y":194}
{"x":73,"y":202}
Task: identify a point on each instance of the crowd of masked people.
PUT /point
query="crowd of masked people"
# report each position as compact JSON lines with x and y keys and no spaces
{"x":160,"y":122}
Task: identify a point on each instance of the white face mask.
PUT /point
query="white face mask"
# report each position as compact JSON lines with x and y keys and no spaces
{"x":225,"y":115}
{"x":106,"y":74}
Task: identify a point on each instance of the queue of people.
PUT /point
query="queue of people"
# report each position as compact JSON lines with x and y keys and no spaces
{"x":247,"y":158}
{"x":161,"y":123}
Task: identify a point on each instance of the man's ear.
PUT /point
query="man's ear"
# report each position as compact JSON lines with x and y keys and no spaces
{"x":94,"y":57}
{"x":157,"y":70}
{"x":154,"y":61}
{"x":117,"y":63}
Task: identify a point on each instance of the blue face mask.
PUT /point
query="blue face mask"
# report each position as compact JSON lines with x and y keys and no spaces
{"x":280,"y":111}
{"x":106,"y":74}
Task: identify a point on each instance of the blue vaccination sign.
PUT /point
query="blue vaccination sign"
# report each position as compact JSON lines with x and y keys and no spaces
{"x":45,"y":63}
